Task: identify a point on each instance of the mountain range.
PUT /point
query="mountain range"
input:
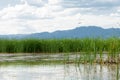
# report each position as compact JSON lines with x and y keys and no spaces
{"x":79,"y":32}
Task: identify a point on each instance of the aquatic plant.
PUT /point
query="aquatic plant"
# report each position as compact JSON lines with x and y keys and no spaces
{"x":88,"y":48}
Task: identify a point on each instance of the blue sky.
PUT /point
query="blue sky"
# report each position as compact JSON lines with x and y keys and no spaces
{"x":31,"y":16}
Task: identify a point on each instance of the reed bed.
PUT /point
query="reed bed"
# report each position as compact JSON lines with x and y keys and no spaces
{"x":111,"y":45}
{"x":90,"y":47}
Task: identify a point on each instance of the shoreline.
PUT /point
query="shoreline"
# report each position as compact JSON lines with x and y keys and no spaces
{"x":64,"y":58}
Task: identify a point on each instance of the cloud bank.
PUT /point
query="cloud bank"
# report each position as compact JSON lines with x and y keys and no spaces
{"x":31,"y":16}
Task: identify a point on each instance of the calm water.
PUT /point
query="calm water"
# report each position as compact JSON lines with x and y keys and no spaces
{"x":60,"y":72}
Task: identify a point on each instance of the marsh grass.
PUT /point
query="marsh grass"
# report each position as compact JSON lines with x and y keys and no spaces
{"x":89,"y":47}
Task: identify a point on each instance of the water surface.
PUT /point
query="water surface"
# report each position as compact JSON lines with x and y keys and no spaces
{"x":60,"y":72}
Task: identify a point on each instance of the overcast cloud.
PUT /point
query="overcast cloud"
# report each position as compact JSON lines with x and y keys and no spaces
{"x":31,"y":16}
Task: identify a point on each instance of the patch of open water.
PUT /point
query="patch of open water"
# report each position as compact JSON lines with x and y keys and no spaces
{"x":55,"y":71}
{"x":60,"y":72}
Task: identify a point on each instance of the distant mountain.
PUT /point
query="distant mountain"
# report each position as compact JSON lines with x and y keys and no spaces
{"x":79,"y":32}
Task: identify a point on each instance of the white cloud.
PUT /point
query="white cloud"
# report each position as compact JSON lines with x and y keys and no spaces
{"x":20,"y":16}
{"x":14,"y":12}
{"x":10,"y":26}
{"x":58,"y":23}
{"x":107,"y":1}
{"x":118,"y":9}
{"x":54,"y":2}
{"x":28,"y":18}
{"x":116,"y":13}
{"x":101,"y":20}
{"x":46,"y":11}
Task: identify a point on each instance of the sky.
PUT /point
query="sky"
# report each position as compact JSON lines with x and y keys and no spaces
{"x":34,"y":16}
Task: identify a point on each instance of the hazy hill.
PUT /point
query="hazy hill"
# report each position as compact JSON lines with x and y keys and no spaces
{"x":79,"y":32}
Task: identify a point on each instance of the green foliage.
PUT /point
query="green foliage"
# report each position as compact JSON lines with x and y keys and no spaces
{"x":97,"y":45}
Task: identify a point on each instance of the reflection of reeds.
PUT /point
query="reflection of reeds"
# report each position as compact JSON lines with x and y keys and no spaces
{"x":117,"y":75}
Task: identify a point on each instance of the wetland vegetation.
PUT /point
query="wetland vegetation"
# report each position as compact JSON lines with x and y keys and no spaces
{"x":61,"y":59}
{"x":97,"y":45}
{"x":86,"y":50}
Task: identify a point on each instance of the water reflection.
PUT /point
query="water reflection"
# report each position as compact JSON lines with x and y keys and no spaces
{"x":60,"y":72}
